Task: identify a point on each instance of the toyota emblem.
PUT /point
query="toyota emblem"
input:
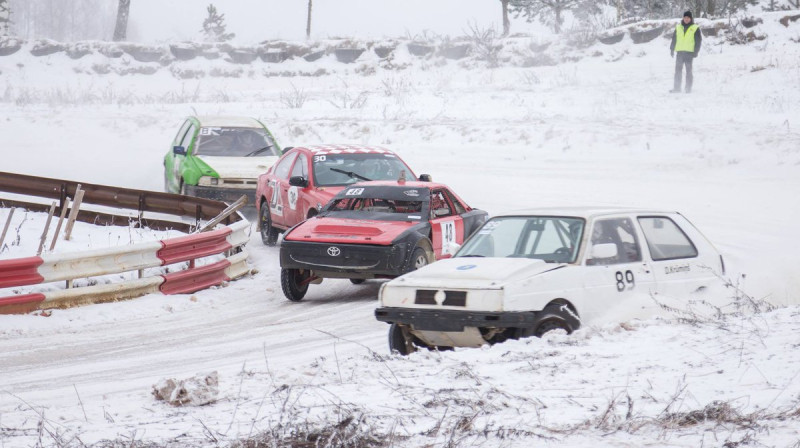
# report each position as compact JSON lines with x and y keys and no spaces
{"x":334,"y":251}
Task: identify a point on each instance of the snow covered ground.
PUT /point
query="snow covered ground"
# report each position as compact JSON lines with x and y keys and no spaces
{"x":599,"y":131}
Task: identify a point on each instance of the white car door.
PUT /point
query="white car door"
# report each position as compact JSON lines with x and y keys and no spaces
{"x":684,"y":266}
{"x":618,"y":281}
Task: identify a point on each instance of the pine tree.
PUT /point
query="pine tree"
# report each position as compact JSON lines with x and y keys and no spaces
{"x":549,"y":12}
{"x":214,"y":26}
{"x":5,"y":17}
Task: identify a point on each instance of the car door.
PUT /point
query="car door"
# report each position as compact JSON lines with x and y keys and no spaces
{"x":169,"y":159}
{"x":618,"y":281}
{"x":472,"y":219}
{"x":447,"y":227}
{"x":187,"y":142}
{"x":682,"y":270}
{"x":295,"y":210}
{"x":279,"y":190}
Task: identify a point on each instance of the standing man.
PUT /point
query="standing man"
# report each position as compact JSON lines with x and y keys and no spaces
{"x":686,"y":41}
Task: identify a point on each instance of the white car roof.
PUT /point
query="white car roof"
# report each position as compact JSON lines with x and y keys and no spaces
{"x":345,"y":149}
{"x":587,"y":212}
{"x":228,"y":121}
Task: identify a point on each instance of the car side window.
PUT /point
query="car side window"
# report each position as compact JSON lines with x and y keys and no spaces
{"x":283,"y":167}
{"x":301,"y":167}
{"x":182,"y":132}
{"x":619,"y":232}
{"x":459,"y":208}
{"x":187,"y":139}
{"x":440,"y":206}
{"x":665,"y":239}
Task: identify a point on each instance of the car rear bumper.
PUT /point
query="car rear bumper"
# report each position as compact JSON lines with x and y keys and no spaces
{"x":346,"y":260}
{"x":455,"y":320}
{"x":229,"y":195}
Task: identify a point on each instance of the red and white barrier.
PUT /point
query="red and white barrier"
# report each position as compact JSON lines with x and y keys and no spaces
{"x":55,"y":267}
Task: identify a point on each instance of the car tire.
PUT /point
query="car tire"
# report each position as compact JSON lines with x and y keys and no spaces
{"x":419,"y":258}
{"x":552,"y":318}
{"x":294,"y":283}
{"x":356,"y":281}
{"x":400,"y":341}
{"x":269,"y":234}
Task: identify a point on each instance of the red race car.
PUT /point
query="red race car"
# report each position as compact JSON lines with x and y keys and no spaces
{"x":306,"y":178}
{"x":379,"y":229}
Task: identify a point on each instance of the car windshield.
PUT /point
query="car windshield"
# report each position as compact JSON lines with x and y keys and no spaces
{"x":380,"y":203}
{"x":235,"y":142}
{"x":345,"y":169}
{"x":553,"y":239}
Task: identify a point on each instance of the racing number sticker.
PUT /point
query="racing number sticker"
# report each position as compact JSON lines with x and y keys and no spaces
{"x":448,"y":237}
{"x":293,"y":198}
{"x":275,"y":199}
{"x":624,"y":281}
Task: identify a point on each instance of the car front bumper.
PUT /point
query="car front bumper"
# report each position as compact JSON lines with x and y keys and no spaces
{"x":229,"y":195}
{"x":455,"y":320}
{"x":350,"y":261}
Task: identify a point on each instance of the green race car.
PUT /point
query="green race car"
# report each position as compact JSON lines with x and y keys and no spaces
{"x":219,"y":157}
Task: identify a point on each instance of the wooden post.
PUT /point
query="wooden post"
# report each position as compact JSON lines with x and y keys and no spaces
{"x":60,"y":221}
{"x":73,"y":214}
{"x":46,"y":228}
{"x":5,"y":228}
{"x":225,"y":213}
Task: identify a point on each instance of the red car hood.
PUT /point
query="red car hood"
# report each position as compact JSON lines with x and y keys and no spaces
{"x":348,"y":231}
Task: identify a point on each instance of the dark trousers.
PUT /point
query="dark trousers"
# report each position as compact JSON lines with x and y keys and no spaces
{"x":683,"y":58}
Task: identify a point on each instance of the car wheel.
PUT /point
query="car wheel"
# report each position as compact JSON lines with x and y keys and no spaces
{"x":400,"y":340}
{"x":356,"y":281}
{"x":294,"y":283}
{"x":419,"y":258}
{"x":553,"y":318}
{"x":269,"y":234}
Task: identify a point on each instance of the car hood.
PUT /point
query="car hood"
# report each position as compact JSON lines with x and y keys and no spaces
{"x":348,"y":231}
{"x":239,"y":167}
{"x":469,"y":272}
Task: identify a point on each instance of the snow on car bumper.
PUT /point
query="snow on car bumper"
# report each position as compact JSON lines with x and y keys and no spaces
{"x":327,"y":259}
{"x":228,"y":195}
{"x":454,"y":320}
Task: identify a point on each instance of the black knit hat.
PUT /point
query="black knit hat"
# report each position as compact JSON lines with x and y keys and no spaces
{"x":687,"y":14}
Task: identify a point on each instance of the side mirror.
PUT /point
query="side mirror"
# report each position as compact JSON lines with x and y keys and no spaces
{"x":179,"y":150}
{"x":298,"y":181}
{"x":605,"y":250}
{"x":286,"y":149}
{"x":451,"y":248}
{"x":425,"y":178}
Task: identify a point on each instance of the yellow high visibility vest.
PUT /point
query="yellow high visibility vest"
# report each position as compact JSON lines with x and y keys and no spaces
{"x":685,"y":41}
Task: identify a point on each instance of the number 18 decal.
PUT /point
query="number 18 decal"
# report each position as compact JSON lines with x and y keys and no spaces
{"x":624,"y":281}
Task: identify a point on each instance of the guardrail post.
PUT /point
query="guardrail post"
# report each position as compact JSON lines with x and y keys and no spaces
{"x":141,"y":273}
{"x":5,"y":228}
{"x":141,"y":209}
{"x":73,"y":215}
{"x":46,"y":228}
{"x":64,"y":207}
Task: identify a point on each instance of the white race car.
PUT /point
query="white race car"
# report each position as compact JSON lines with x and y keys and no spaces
{"x":523,"y":274}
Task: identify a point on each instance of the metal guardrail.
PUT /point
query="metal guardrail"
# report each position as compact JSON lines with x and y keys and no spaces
{"x":139,"y":201}
{"x":228,"y":241}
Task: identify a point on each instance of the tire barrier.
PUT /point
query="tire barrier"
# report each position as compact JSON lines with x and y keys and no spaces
{"x":227,"y":242}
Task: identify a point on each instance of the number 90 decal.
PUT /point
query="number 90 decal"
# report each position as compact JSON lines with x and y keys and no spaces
{"x":624,"y":281}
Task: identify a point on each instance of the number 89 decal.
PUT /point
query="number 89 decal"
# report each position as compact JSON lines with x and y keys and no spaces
{"x":624,"y":281}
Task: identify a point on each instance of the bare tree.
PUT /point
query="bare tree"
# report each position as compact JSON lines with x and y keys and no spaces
{"x":308,"y":21}
{"x":506,"y":22}
{"x":121,"y":30}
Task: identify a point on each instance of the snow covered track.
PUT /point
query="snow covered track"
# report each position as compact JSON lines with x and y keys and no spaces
{"x":228,"y":241}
